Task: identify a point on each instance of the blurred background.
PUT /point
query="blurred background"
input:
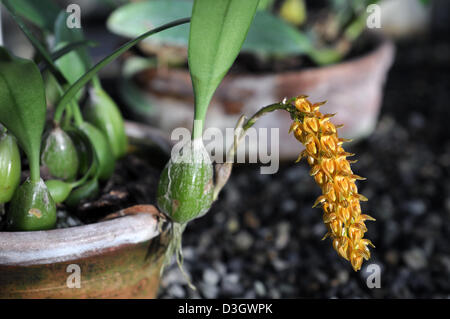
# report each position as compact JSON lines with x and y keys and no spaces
{"x":390,"y":87}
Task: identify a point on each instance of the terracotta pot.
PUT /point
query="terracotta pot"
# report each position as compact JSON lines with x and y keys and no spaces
{"x":353,"y":89}
{"x":119,"y":257}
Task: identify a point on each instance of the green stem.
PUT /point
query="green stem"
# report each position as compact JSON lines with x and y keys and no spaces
{"x":197,"y":129}
{"x":223,"y":171}
{"x":35,"y":173}
{"x":269,"y":108}
{"x":74,"y":88}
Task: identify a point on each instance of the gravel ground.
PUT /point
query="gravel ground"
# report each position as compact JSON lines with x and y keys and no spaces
{"x":263,"y":239}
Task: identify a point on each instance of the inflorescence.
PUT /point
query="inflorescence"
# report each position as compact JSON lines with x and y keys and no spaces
{"x":331,"y":170}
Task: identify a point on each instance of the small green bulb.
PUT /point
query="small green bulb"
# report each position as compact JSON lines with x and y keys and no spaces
{"x":31,"y":208}
{"x":10,"y":167}
{"x":104,"y":114}
{"x":185,"y":189}
{"x":59,"y":155}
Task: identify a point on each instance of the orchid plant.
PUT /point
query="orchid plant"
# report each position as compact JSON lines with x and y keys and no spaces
{"x":82,"y":144}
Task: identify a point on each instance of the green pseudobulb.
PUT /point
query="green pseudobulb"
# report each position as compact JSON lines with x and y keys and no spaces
{"x":9,"y":167}
{"x":104,"y":114}
{"x":59,"y":155}
{"x":31,"y":208}
{"x":185,"y":189}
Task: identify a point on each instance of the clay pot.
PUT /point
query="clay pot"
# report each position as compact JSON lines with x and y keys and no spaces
{"x":119,"y":257}
{"x":352,"y":88}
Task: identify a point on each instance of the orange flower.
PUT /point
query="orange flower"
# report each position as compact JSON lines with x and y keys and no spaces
{"x":331,"y":170}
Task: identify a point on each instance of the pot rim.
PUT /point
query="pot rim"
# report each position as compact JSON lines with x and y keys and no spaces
{"x":60,"y":245}
{"x":139,"y":224}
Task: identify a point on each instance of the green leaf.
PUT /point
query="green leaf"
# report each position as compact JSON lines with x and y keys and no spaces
{"x":22,"y":105}
{"x":218,"y":29}
{"x":42,"y":13}
{"x":271,"y":36}
{"x":268,"y":35}
{"x":70,"y":93}
{"x":134,"y":19}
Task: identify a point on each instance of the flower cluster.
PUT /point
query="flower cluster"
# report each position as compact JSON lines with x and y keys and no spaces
{"x":331,"y":170}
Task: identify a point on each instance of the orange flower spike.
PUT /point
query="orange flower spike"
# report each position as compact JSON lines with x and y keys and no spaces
{"x":331,"y":170}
